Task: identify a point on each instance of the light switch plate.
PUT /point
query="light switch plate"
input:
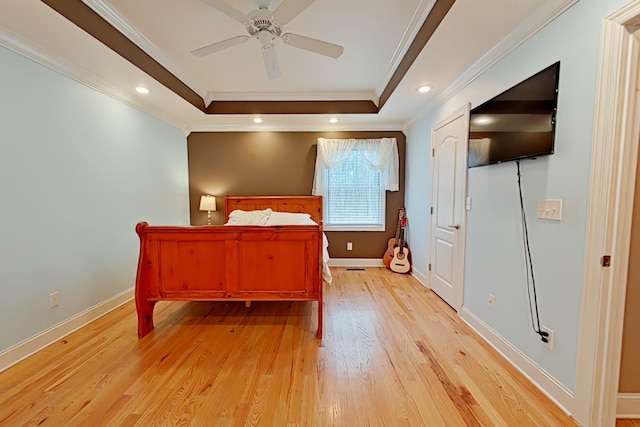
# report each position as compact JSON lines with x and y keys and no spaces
{"x":550,"y":209}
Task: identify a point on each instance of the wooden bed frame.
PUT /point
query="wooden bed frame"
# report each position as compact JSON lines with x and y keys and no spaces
{"x":231,"y":263}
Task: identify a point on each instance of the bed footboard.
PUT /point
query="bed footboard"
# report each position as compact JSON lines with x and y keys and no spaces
{"x":215,"y":263}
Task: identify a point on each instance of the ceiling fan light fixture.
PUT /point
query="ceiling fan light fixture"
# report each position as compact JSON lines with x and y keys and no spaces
{"x":265,"y":37}
{"x":424,"y":88}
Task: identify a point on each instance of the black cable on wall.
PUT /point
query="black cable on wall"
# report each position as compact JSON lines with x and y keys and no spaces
{"x":531,"y":282}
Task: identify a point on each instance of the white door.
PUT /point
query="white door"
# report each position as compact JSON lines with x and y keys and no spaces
{"x":448,"y":188}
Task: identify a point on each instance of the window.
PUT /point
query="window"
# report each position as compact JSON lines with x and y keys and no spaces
{"x":355,"y":198}
{"x":353,"y":176}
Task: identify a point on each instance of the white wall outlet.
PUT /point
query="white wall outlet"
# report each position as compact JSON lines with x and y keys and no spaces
{"x":53,"y":300}
{"x":492,"y":301}
{"x":349,"y":246}
{"x":548,"y":344}
{"x":468,"y":203}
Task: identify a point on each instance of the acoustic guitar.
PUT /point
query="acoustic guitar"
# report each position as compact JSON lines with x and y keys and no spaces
{"x":393,"y":242}
{"x":400,"y":262}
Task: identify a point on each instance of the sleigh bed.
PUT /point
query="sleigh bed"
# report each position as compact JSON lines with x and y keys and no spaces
{"x":232,"y":262}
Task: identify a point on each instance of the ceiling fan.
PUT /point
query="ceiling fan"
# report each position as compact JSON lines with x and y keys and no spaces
{"x":266,"y":26}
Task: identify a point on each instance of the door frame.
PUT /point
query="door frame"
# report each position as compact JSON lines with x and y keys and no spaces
{"x":614,"y":159}
{"x":461,"y":250}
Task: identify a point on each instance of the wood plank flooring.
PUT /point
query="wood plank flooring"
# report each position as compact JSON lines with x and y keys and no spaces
{"x":393,"y":354}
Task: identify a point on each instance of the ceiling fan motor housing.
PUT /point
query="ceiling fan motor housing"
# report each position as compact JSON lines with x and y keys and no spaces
{"x":262,"y":23}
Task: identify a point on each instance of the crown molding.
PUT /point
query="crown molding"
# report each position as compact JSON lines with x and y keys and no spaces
{"x":111,"y":15}
{"x":546,"y":13}
{"x":116,"y":20}
{"x":420,"y":15}
{"x":356,"y":127}
{"x":292,"y":96}
{"x":38,"y":54}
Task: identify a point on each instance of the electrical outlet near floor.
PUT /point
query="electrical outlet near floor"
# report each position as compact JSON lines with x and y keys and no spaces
{"x":349,"y":246}
{"x":53,"y":300}
{"x":492,"y":301}
{"x":548,"y":344}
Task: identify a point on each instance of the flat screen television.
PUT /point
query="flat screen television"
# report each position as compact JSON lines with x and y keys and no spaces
{"x":517,"y":124}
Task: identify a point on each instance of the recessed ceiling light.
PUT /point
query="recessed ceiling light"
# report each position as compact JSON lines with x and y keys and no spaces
{"x":424,"y":88}
{"x":257,"y":120}
{"x":142,"y":90}
{"x":333,"y":120}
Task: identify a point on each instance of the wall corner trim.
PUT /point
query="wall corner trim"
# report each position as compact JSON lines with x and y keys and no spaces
{"x":548,"y":385}
{"x":32,"y":345}
{"x":628,"y":406}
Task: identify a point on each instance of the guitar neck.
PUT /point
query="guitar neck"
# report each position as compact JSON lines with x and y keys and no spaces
{"x":399,"y":226}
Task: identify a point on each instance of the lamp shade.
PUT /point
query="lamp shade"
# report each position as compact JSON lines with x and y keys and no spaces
{"x":207,"y":203}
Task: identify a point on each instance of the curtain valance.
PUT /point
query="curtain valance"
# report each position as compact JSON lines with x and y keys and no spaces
{"x":379,"y":154}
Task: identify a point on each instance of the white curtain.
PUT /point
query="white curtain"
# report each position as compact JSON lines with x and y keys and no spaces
{"x":378,"y":154}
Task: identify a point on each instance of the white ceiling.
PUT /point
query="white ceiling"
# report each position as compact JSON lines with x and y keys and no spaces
{"x":375,"y":35}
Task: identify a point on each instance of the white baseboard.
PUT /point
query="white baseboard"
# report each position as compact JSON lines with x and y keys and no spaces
{"x":420,"y":277}
{"x":26,"y":348}
{"x":548,"y":385}
{"x":628,"y":406}
{"x":356,"y":262}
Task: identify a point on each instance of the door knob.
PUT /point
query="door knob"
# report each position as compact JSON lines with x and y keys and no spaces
{"x":457,"y":226}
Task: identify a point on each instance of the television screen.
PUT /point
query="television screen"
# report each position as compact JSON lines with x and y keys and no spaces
{"x":519,"y":123}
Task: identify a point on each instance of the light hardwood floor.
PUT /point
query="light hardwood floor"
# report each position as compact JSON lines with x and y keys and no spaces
{"x":393,"y":354}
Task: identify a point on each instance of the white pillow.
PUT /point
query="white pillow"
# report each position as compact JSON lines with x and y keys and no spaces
{"x":289,"y":218}
{"x":240,"y":217}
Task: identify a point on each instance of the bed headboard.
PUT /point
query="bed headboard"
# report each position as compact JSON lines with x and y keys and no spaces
{"x":297,"y":204}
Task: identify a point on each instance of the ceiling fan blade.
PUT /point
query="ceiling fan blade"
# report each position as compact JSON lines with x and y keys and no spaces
{"x":271,"y":63}
{"x":218,"y":46}
{"x":227,"y":9}
{"x":313,"y":45}
{"x":289,"y":9}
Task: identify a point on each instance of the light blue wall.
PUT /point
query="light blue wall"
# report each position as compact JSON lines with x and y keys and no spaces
{"x":78,"y":170}
{"x":494,"y":254}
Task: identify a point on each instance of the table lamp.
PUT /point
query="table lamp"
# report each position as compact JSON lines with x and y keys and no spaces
{"x":208,"y":203}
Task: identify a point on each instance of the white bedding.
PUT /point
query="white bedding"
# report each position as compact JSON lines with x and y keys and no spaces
{"x":269,"y":217}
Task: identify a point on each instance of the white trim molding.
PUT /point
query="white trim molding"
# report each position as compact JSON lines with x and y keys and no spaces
{"x":325,"y":126}
{"x":28,"y":347}
{"x":120,"y":23}
{"x":614,"y":159}
{"x":422,"y":11}
{"x":543,"y":15}
{"x":547,"y":384}
{"x":628,"y":406}
{"x":459,"y":193}
{"x":420,"y":277}
{"x":356,"y":262}
{"x":36,"y":53}
{"x":292,"y":96}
